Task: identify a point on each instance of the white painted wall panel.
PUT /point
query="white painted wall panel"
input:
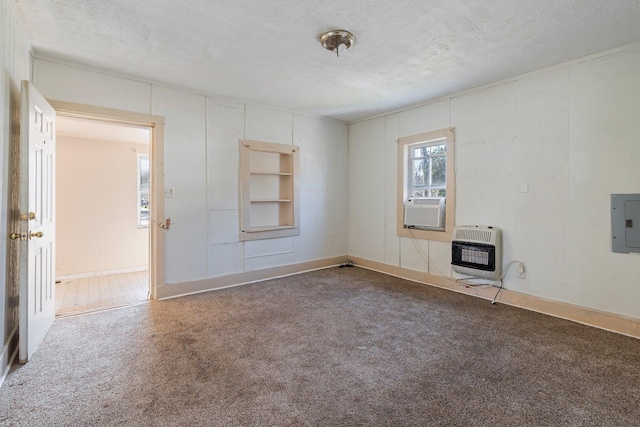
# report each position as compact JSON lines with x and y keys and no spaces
{"x":268,"y":124}
{"x":225,"y":127}
{"x":73,"y":84}
{"x":225,"y":124}
{"x":486,"y":185}
{"x":542,"y":155}
{"x":268,"y":253}
{"x":225,"y":258}
{"x":543,"y":93}
{"x":224,"y":226}
{"x":485,"y":115}
{"x":392,"y":241}
{"x":258,"y":248}
{"x":440,"y":258}
{"x":415,"y":254}
{"x":251,"y":264}
{"x":185,"y":170}
{"x":367,"y":201}
{"x":223,"y":182}
{"x":324,"y":196}
{"x":423,"y":119}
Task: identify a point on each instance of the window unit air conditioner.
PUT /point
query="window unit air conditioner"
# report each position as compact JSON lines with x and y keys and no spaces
{"x":477,"y":251}
{"x":424,"y":212}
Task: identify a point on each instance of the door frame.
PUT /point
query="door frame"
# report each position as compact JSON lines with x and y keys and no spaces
{"x":157,"y":223}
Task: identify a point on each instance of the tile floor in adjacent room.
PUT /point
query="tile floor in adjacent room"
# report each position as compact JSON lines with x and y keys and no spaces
{"x":101,"y":293}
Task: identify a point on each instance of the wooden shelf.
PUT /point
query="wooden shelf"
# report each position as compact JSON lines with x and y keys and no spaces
{"x":271,"y":173}
{"x":269,"y":228}
{"x":268,"y":190}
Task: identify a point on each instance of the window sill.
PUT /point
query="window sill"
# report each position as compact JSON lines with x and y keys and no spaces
{"x":416,"y":233}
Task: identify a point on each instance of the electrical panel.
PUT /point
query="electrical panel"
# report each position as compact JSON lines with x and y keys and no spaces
{"x":625,"y":223}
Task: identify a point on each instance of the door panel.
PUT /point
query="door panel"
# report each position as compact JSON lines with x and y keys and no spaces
{"x":37,"y":250}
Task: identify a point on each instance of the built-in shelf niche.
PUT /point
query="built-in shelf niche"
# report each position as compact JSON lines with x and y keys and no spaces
{"x":269,"y":188}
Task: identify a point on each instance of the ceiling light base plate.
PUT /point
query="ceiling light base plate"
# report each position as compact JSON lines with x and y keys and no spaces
{"x":336,"y":40}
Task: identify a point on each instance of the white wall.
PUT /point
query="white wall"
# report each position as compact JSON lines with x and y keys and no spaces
{"x":201,"y":164}
{"x":15,"y":57}
{"x":96,"y":212}
{"x":572,"y":134}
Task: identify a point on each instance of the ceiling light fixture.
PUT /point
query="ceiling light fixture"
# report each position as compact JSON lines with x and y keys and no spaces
{"x":336,"y":40}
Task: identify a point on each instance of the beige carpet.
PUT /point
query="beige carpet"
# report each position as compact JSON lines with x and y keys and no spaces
{"x":336,"y":347}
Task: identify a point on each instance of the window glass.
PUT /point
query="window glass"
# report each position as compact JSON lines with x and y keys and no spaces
{"x":438,"y":171}
{"x":428,"y":170}
{"x":420,"y":171}
{"x":143,"y":191}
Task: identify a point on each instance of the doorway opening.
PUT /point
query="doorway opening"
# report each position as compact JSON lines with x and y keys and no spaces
{"x":153,"y":212}
{"x":102,"y":215}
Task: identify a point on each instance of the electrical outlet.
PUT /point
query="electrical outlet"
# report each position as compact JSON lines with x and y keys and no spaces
{"x":521,"y":272}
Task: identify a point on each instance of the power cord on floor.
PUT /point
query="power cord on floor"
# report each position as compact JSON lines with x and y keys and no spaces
{"x":500,"y":281}
{"x":465,"y":280}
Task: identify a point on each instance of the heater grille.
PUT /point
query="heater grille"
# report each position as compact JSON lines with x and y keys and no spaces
{"x":477,"y":251}
{"x":473,"y":235}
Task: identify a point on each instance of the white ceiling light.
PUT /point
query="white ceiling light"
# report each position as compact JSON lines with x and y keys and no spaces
{"x":336,"y":40}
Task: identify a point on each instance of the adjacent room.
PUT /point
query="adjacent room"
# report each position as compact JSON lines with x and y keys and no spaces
{"x":102,"y":215}
{"x":325,"y":213}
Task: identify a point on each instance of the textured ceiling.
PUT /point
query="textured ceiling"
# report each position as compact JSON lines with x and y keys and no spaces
{"x":406,"y":51}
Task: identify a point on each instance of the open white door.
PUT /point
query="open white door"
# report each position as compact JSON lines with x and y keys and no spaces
{"x":37,"y":210}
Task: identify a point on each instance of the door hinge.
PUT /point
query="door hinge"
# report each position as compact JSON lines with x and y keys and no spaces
{"x":30,"y":217}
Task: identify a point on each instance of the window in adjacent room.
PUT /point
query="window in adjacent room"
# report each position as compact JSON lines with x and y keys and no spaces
{"x":426,"y":177}
{"x":143,"y":190}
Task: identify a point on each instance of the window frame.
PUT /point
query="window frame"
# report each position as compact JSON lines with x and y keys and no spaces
{"x":404,"y":145}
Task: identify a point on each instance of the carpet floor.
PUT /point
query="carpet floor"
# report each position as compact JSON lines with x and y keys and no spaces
{"x":335,"y":347}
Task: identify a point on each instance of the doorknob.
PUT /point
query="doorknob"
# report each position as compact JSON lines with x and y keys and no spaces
{"x":16,"y":236}
{"x":39,"y":234}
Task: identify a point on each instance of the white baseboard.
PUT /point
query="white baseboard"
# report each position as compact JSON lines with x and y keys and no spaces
{"x":612,"y":322}
{"x":101,"y":273}
{"x":7,"y":358}
{"x":221,"y":282}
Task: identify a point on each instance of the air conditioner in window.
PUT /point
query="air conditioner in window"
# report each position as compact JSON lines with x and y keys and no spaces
{"x":424,"y":212}
{"x":477,"y":251}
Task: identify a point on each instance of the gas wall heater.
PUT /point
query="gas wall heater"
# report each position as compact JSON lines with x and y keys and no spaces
{"x":424,"y":212}
{"x":477,"y":251}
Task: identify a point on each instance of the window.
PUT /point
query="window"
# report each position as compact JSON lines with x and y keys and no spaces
{"x":426,"y":169}
{"x":143,"y":190}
